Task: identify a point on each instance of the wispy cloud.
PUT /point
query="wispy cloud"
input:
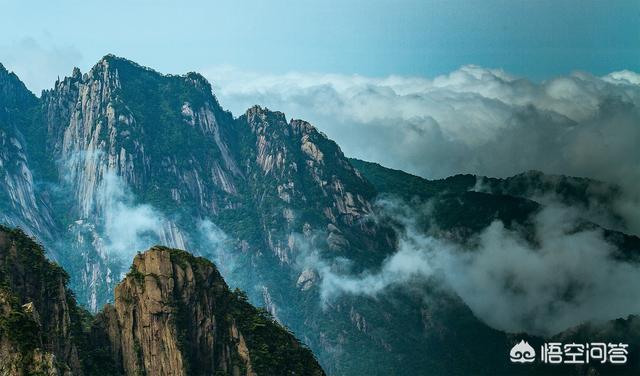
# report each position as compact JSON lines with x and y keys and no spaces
{"x":566,"y":277}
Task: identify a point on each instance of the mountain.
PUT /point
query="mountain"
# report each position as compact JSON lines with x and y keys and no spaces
{"x":114,"y":160}
{"x":40,"y":322}
{"x":466,"y":204}
{"x":20,"y":202}
{"x":173,"y":314}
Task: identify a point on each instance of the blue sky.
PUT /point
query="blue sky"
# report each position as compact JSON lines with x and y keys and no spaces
{"x":536,"y":39}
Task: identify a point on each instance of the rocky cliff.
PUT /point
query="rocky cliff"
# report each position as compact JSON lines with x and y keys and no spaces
{"x":21,"y":203}
{"x":40,"y":323}
{"x":173,"y":315}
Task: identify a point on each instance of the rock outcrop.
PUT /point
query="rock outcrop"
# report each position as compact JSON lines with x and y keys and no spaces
{"x":123,"y":142}
{"x":40,"y":322}
{"x":173,"y":315}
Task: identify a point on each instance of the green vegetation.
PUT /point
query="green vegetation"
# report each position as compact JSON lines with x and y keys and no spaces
{"x":408,"y":186}
{"x":272,"y":348}
{"x":17,"y":325}
{"x":26,"y":276}
{"x":136,"y":274}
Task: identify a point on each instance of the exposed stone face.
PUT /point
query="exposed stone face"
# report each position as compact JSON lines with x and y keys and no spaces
{"x":98,"y":129}
{"x":274,"y":186}
{"x":310,"y":176}
{"x":20,"y":202}
{"x":266,"y":181}
{"x":174,"y":315}
{"x":37,"y":314}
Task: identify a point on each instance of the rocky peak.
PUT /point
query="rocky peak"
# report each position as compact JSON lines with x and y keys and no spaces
{"x":199,"y":82}
{"x":13,"y":93}
{"x":261,"y":115}
{"x":304,"y":159}
{"x":174,"y":314}
{"x":76,"y":73}
{"x":300,"y":180}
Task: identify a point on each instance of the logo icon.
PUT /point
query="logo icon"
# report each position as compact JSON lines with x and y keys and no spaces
{"x":522,"y":352}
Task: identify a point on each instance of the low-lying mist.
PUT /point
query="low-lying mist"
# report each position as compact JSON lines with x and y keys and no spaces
{"x":124,"y":225}
{"x":567,"y":276}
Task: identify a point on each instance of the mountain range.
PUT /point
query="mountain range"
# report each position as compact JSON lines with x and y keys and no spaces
{"x":117,"y":159}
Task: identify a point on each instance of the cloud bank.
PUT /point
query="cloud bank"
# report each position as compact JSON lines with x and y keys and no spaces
{"x":473,"y":120}
{"x":127,"y":227}
{"x":569,"y":277}
{"x":449,"y":124}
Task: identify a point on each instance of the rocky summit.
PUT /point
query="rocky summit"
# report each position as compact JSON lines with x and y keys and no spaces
{"x":173,"y":315}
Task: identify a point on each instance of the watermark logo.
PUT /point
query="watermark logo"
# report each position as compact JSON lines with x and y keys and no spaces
{"x":571,"y":353}
{"x":522,"y":352}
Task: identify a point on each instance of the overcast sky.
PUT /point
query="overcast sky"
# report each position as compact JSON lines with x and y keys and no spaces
{"x":536,"y":39}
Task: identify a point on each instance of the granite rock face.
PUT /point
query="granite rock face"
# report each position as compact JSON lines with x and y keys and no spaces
{"x":173,"y":315}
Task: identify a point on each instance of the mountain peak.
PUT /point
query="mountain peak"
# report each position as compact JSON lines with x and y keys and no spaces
{"x":110,"y":58}
{"x":259,"y":113}
{"x":12,"y":90}
{"x":173,"y":315}
{"x":112,"y":62}
{"x":76,"y":73}
{"x":207,"y":327}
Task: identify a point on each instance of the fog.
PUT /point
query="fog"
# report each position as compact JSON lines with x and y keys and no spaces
{"x":568,"y":277}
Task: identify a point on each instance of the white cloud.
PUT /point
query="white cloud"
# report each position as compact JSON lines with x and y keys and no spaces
{"x":473,"y":120}
{"x":128,"y":227}
{"x":567,"y":278}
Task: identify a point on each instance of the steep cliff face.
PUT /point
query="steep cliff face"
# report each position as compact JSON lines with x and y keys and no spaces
{"x":166,"y":140}
{"x":127,"y":120}
{"x":119,"y":128}
{"x":300,"y":182}
{"x":40,"y":323}
{"x":21,"y":203}
{"x":174,"y":315}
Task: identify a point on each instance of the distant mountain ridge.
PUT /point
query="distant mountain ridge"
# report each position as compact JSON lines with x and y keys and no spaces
{"x":124,"y":144}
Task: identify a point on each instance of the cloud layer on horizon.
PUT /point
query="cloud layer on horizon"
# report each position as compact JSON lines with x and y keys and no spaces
{"x":473,"y":120}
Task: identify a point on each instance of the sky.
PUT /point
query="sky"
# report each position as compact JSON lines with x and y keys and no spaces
{"x":537,"y":39}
